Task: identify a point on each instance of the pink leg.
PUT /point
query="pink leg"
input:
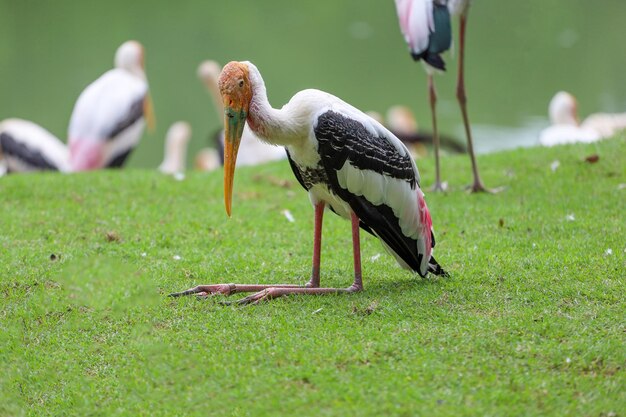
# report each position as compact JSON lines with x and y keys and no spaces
{"x":268,"y":292}
{"x":357,"y":285}
{"x":317,"y":246}
{"x":438,"y":186}
{"x":477,"y":185}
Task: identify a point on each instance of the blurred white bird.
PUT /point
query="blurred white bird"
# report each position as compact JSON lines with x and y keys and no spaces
{"x":253,"y":151}
{"x":26,"y":146}
{"x":566,"y":127}
{"x":402,"y":123}
{"x":110,"y":114}
{"x":175,"y":155}
{"x":208,"y":159}
{"x":606,"y":124}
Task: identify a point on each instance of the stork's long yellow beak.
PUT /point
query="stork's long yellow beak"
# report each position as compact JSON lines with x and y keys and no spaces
{"x":234,"y":121}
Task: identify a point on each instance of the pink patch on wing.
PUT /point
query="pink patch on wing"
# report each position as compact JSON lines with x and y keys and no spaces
{"x":86,"y":155}
{"x":426,"y":223}
{"x":404,"y":12}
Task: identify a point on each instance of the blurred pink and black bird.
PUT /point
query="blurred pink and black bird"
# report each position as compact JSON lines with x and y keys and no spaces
{"x":427,"y":30}
{"x":109,"y":116}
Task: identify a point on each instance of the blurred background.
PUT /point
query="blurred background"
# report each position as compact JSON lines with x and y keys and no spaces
{"x":519,"y":53}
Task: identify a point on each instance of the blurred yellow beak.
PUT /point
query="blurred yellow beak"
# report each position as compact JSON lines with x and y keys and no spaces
{"x":148,"y":112}
{"x":234,"y":121}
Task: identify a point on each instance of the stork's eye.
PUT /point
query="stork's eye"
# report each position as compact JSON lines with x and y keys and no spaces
{"x":240,"y":83}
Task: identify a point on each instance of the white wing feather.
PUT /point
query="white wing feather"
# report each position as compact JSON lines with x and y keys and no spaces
{"x":104,"y":104}
{"x":416,"y":22}
{"x":38,"y":139}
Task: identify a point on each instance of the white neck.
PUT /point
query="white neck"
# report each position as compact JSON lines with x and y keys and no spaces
{"x":129,"y":56}
{"x":275,"y":126}
{"x":209,"y":73}
{"x":562,"y":109}
{"x":137,"y":71}
{"x":175,"y":152}
{"x":175,"y":158}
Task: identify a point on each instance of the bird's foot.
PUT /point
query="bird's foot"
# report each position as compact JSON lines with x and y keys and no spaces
{"x":204,"y":291}
{"x":275,"y":292}
{"x":313,"y":283}
{"x":261,"y":292}
{"x":439,"y":186}
{"x":207,"y":290}
{"x":479,"y":187}
{"x":264,"y":295}
{"x":354,"y":288}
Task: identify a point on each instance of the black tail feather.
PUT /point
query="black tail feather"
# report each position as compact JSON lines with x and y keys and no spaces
{"x":436,"y":269}
{"x":433,"y":59}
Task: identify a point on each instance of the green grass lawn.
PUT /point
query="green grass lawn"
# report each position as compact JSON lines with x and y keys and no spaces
{"x":532,"y":320}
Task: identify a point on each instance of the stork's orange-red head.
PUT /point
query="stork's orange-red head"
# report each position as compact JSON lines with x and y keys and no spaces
{"x":236,"y":92}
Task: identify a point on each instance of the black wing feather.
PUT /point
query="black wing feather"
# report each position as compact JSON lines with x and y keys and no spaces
{"x":341,"y":138}
{"x":31,"y":157}
{"x":307,"y":183}
{"x":135,"y":113}
{"x":296,"y":171}
{"x":119,"y":160}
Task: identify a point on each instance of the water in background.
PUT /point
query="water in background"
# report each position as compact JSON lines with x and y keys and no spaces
{"x":519,"y":54}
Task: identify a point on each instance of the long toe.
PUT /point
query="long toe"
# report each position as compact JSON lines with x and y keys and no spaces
{"x":190,"y":291}
{"x":206,"y":290}
{"x":257,"y":297}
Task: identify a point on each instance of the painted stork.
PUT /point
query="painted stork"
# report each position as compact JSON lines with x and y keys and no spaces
{"x":426,"y":27}
{"x":566,"y":126}
{"x":26,"y":146}
{"x":175,"y":155}
{"x":254,"y":151}
{"x":346,"y":161}
{"x":110,"y":114}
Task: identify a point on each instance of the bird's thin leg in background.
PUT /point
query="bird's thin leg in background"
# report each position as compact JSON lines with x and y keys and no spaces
{"x":433,"y":111}
{"x":477,"y":185}
{"x":317,"y":246}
